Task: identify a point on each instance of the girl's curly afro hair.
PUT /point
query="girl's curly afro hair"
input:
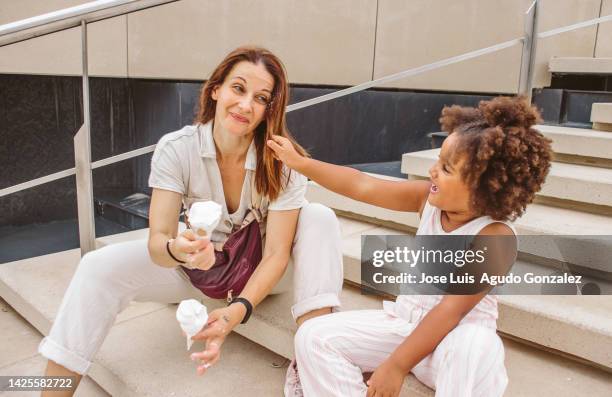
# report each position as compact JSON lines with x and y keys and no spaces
{"x":506,"y":159}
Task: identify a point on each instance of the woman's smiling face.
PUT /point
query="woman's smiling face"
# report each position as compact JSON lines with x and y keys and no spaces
{"x":242,"y":99}
{"x":449,"y":192}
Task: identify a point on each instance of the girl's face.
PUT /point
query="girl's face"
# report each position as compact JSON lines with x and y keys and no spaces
{"x":242,"y":99}
{"x":448,"y":191}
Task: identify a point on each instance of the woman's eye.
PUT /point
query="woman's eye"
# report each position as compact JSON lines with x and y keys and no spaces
{"x":238,"y":88}
{"x":262,"y":99}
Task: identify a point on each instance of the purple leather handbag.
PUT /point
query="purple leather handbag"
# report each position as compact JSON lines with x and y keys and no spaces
{"x":235,"y":260}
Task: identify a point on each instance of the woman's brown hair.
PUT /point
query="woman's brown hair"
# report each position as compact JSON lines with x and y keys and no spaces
{"x":268,"y":173}
{"x":506,"y":160}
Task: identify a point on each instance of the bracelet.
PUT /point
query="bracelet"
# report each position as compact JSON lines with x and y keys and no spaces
{"x":247,"y":305}
{"x":170,"y":252}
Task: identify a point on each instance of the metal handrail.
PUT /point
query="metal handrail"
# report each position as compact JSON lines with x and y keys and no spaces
{"x":314,"y":101}
{"x":529,"y":50}
{"x":575,"y":26}
{"x":85,"y":14}
{"x":94,"y":11}
{"x":295,"y":106}
{"x":404,"y":74}
{"x":71,"y":17}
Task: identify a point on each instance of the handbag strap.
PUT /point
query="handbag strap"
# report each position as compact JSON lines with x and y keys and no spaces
{"x":255,"y":212}
{"x":256,"y":205}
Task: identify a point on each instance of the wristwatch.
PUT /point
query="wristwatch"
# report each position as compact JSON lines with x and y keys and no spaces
{"x":247,"y":305}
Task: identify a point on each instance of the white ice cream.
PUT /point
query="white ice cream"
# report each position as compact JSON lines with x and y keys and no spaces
{"x":192,"y":316}
{"x":204,"y":216}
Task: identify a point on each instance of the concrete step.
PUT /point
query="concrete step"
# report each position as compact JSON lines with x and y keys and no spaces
{"x":601,"y":116}
{"x":537,"y":220}
{"x":404,"y":221}
{"x":551,"y":224}
{"x":568,"y":183}
{"x":132,"y":363}
{"x":579,"y":145}
{"x":580,"y":65}
{"x":571,"y":144}
{"x":533,"y":372}
{"x":19,"y":347}
{"x":580,"y":326}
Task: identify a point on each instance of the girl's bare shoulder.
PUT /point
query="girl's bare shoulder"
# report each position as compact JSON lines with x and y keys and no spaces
{"x":496,"y":229}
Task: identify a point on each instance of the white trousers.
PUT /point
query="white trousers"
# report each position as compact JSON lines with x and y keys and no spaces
{"x":333,"y":350}
{"x":107,"y":279}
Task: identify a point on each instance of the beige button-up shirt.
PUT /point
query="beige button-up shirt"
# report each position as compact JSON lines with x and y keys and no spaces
{"x":185,"y":162}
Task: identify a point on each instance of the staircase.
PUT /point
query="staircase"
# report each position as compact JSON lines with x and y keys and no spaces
{"x":555,"y":345}
{"x":144,"y":353}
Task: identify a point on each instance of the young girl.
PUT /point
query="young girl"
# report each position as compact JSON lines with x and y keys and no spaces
{"x":489,"y":169}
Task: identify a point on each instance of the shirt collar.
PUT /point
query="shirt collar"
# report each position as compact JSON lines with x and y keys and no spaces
{"x":207,"y":148}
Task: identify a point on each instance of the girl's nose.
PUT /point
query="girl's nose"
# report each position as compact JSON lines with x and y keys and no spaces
{"x":432,"y":171}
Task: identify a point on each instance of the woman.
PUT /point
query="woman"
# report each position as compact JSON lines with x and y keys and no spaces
{"x":219,"y":158}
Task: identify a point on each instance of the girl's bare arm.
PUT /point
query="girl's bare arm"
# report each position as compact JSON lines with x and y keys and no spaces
{"x":432,"y":329}
{"x":396,"y":195}
{"x":448,"y":313}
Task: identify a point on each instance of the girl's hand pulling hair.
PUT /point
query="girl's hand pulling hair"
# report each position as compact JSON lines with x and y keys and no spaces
{"x":285,"y":152}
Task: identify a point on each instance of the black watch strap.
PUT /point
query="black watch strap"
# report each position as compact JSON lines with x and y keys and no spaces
{"x":247,"y":305}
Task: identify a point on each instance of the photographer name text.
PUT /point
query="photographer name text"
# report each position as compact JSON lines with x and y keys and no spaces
{"x":451,"y":278}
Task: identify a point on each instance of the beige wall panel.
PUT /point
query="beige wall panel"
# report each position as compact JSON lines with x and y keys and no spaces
{"x":578,"y":43}
{"x":418,"y":32}
{"x":55,"y":54}
{"x":108,"y":47}
{"x":604,"y":36}
{"x":60,"y":53}
{"x":320,"y":41}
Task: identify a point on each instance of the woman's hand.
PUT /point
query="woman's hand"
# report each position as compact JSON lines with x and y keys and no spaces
{"x":198,"y":253}
{"x":386,"y":381}
{"x":220,"y":324}
{"x":285,"y":152}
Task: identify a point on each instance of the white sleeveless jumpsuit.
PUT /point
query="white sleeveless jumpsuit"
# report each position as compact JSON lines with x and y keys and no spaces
{"x":332,"y":351}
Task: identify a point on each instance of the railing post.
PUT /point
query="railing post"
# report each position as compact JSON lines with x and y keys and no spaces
{"x":82,"y":158}
{"x":529,"y":50}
